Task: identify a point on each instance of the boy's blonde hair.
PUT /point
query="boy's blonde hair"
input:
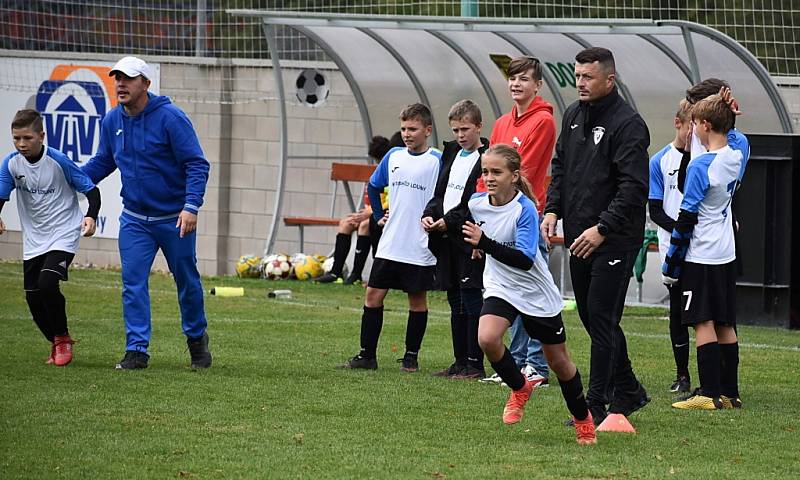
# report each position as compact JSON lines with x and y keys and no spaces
{"x":514,"y":164}
{"x":715,"y":111}
{"x":466,"y":111}
{"x":684,"y":113}
{"x":417,"y":111}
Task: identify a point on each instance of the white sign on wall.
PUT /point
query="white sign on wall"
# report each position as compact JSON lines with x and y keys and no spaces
{"x":73,"y":98}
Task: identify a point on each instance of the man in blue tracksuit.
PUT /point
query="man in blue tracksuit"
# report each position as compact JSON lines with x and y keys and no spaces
{"x":164,"y":175}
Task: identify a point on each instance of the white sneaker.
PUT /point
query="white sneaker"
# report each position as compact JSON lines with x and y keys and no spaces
{"x":533,"y":376}
{"x":494,"y":378}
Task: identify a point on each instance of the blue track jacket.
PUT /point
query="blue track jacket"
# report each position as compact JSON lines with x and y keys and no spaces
{"x":158,"y":155}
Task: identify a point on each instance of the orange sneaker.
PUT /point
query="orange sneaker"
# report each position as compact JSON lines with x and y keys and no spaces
{"x":63,"y":350}
{"x":52,"y":358}
{"x":584,"y":430}
{"x":515,"y":407}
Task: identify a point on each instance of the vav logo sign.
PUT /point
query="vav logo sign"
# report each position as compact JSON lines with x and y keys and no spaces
{"x":72,"y":109}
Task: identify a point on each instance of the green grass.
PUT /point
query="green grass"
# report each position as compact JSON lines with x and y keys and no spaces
{"x":273,"y":406}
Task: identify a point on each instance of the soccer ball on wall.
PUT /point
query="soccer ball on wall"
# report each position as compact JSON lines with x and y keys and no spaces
{"x":276,"y":267}
{"x":248,"y":266}
{"x":312,"y":88}
{"x":307,"y":268}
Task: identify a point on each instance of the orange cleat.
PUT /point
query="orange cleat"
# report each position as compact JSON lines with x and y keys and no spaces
{"x":515,"y":407}
{"x":63,"y":350}
{"x":585,"y":431}
{"x":52,"y":358}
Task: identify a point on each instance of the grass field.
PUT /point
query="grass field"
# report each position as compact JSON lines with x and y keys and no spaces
{"x":273,"y":406}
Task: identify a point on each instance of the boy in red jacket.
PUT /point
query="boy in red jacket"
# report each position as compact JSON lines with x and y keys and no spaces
{"x":531,"y":129}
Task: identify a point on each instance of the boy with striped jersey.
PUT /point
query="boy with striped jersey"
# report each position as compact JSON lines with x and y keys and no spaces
{"x":46,"y":181}
{"x":664,"y":202}
{"x":403,"y":260}
{"x":702,"y":255}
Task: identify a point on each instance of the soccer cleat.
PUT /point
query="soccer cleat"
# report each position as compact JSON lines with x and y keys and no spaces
{"x":534,"y":377}
{"x":359,"y":363}
{"x":730,"y":402}
{"x":450,"y":371}
{"x":63,"y":350}
{"x":597,"y":412}
{"x":133,"y":360}
{"x":585,"y":430}
{"x":628,"y":404}
{"x":470,"y":373}
{"x":52,"y":358}
{"x":494,"y":378}
{"x":410,"y":364}
{"x":198,"y":350}
{"x":681,"y":385}
{"x":351,"y":280}
{"x":328,"y":278}
{"x":698,"y":401}
{"x":515,"y":406}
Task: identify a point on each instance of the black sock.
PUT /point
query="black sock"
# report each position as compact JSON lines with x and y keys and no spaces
{"x":458,"y":329}
{"x":415,"y":330}
{"x":729,"y":383}
{"x":39,"y":313}
{"x":508,"y":371}
{"x":371,"y":325}
{"x":56,"y":306}
{"x":572,"y":390}
{"x":340,"y":253}
{"x":474,"y":352}
{"x":708,"y":361}
{"x":360,"y":257}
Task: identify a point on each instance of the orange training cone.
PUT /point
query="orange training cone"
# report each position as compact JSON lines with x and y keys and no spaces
{"x":616,"y":422}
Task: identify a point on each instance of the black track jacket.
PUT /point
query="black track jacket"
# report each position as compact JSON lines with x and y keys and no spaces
{"x":600,"y":172}
{"x":454,"y":268}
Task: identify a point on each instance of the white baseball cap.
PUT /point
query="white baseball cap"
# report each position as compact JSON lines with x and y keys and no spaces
{"x":132,"y":67}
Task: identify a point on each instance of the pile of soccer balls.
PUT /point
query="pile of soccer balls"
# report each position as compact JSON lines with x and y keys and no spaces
{"x":278,"y":266}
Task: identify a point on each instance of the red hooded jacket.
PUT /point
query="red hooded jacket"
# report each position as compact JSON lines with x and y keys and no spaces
{"x":533,"y":134}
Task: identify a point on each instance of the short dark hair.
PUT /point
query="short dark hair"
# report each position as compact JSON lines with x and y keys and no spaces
{"x":521,"y":65}
{"x":715,"y":111}
{"x":598,"y":54}
{"x":397,"y":140}
{"x":378,"y":147}
{"x":706,"y":88}
{"x":417,"y":111}
{"x":465,"y":110}
{"x":28,"y":118}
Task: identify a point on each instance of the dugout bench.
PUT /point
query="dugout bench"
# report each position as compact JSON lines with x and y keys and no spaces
{"x":340,"y":172}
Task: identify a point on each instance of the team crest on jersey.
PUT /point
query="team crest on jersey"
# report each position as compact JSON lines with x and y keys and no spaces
{"x":598,"y":134}
{"x":516,"y":141}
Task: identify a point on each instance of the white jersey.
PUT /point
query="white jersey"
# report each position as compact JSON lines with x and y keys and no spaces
{"x":459,"y":174}
{"x":46,"y":200}
{"x":664,"y":167}
{"x":412,"y":180}
{"x":516,"y":225}
{"x":711,"y":180}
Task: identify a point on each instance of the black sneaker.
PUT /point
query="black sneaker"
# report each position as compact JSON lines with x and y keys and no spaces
{"x":359,"y":362}
{"x":450,"y":371}
{"x":681,"y":385}
{"x":628,"y":404}
{"x":470,"y":373}
{"x":410,"y":364}
{"x":353,"y":280}
{"x":198,"y":350}
{"x":133,"y":360}
{"x":327,"y":278}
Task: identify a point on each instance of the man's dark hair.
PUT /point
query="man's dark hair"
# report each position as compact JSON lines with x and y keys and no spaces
{"x":706,"y":88}
{"x":521,"y":65}
{"x":397,"y":140}
{"x":417,"y":111}
{"x":28,"y":118}
{"x":378,"y":147}
{"x":598,"y":54}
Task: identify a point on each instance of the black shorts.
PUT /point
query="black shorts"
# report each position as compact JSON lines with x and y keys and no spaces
{"x":55,"y":261}
{"x":548,"y":330}
{"x":388,"y":274}
{"x":708,"y":292}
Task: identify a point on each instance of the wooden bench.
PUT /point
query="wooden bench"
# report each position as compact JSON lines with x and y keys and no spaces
{"x":340,"y":172}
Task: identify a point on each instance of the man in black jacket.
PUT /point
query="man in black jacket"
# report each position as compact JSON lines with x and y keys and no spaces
{"x":599,"y":188}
